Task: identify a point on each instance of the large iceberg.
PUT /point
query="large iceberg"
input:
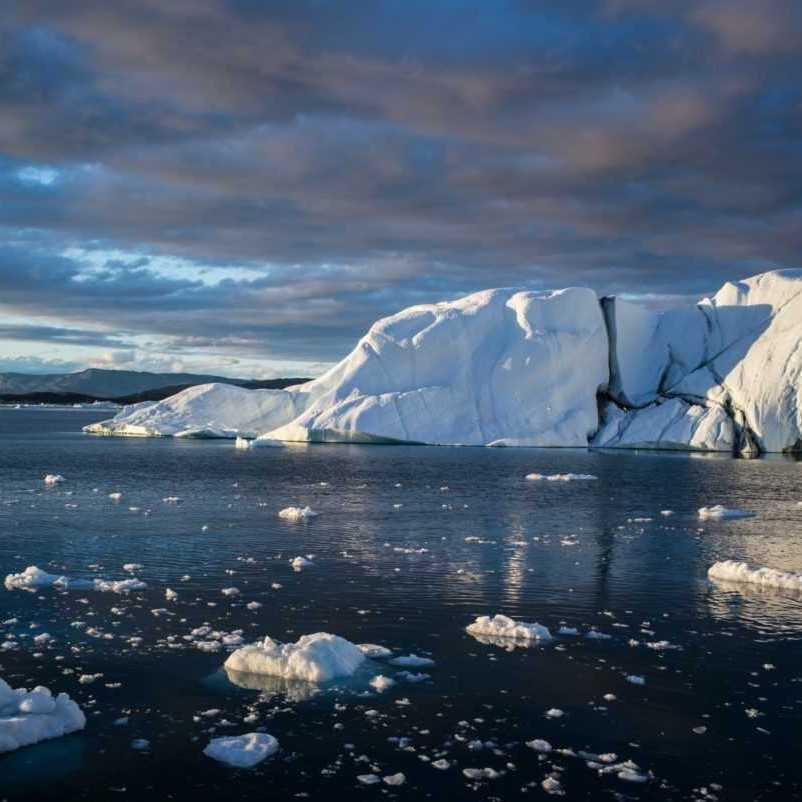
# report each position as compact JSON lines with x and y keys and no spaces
{"x":524,"y":368}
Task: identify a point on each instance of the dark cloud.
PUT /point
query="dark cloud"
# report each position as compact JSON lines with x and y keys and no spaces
{"x":359,"y":157}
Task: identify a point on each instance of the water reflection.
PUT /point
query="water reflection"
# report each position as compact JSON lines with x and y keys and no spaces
{"x":270,"y":686}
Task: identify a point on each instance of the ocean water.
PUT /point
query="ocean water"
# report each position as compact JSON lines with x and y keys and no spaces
{"x":411,"y":544}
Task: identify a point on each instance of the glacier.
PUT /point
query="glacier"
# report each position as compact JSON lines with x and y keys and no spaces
{"x":514,"y":367}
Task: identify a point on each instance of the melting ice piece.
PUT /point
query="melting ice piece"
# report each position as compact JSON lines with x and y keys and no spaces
{"x":412,"y":661}
{"x":500,"y":626}
{"x":242,"y":751}
{"x":732,"y":571}
{"x":296,"y":513}
{"x":315,"y":658}
{"x":54,"y":479}
{"x":299,"y":563}
{"x":33,"y":577}
{"x":719,"y":511}
{"x":381,"y":683}
{"x":27,"y":717}
{"x":560,"y":477}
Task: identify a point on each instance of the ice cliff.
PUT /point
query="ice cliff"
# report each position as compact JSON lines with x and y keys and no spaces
{"x":523,"y":368}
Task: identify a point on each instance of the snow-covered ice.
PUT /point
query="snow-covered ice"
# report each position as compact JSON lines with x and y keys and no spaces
{"x":53,"y":479}
{"x":27,"y":717}
{"x":242,"y":751}
{"x":313,"y":658}
{"x":732,"y":571}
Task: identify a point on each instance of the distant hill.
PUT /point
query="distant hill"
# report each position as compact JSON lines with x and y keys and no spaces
{"x":122,"y":386}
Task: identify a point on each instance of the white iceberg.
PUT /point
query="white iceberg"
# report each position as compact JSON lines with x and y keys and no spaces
{"x":242,"y":751}
{"x":740,"y":572}
{"x":34,"y":577}
{"x":53,"y":479}
{"x":500,"y":626}
{"x":320,"y":657}
{"x":27,"y":717}
{"x":517,"y":367}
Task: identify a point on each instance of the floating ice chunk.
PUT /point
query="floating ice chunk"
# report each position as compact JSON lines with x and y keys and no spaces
{"x":314,"y":658}
{"x":54,"y":479}
{"x":253,"y":605}
{"x":296,"y":513}
{"x":115,"y":496}
{"x":553,"y":786}
{"x":412,"y":661}
{"x":635,"y":679}
{"x":33,"y":577}
{"x":568,"y":631}
{"x":242,"y":442}
{"x":230,"y":591}
{"x":27,"y":717}
{"x":242,"y":751}
{"x":369,"y":779}
{"x":395,"y":779}
{"x":594,"y":634}
{"x":412,"y":676}
{"x":560,"y":477}
{"x":666,"y":513}
{"x":140,"y":744}
{"x":500,"y":626}
{"x":131,"y":567}
{"x":374,"y":650}
{"x":718,"y":512}
{"x":732,"y":571}
{"x":299,"y":563}
{"x":539,"y":745}
{"x":441,"y":764}
{"x":381,"y":683}
{"x":170,"y":595}
{"x":554,"y":712}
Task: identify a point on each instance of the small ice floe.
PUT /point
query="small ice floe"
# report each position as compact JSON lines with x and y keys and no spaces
{"x":719,"y":512}
{"x":412,"y":661}
{"x":33,"y":577}
{"x":27,"y":717}
{"x":594,"y":634}
{"x":635,"y":679}
{"x":381,"y":683}
{"x":171,"y":499}
{"x":170,"y":595}
{"x":394,"y":779}
{"x":243,"y":442}
{"x":299,"y":563}
{"x":554,"y":712}
{"x":504,"y":628}
{"x":666,"y":513}
{"x":53,"y":479}
{"x":551,"y":785}
{"x":230,"y":591}
{"x":374,"y":650}
{"x":132,"y":567}
{"x":116,"y":496}
{"x":140,"y":744}
{"x":572,"y":631}
{"x":242,"y":751}
{"x":313,"y":658}
{"x":253,"y":605}
{"x":412,"y":676}
{"x":741,"y":572}
{"x":368,"y":779}
{"x":296,"y":513}
{"x":560,"y":477}
{"x":539,"y":745}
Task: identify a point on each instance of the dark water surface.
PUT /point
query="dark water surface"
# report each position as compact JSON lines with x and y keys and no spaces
{"x":473,"y":537}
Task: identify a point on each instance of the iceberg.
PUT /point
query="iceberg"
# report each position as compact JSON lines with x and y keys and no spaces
{"x":27,"y":717}
{"x":317,"y":658}
{"x":730,"y":571}
{"x":513,"y":367}
{"x":502,"y":627}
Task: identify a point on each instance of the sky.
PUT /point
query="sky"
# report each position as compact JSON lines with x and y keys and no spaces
{"x":242,"y":187}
